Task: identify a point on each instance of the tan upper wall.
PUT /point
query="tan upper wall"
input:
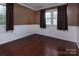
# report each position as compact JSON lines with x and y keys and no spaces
{"x":78,"y":14}
{"x":71,"y":13}
{"x":23,"y":15}
{"x":38,"y":17}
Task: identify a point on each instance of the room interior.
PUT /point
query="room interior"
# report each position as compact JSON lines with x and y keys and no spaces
{"x":39,"y":29}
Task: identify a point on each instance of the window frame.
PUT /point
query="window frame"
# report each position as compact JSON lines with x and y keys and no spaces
{"x":4,"y":23}
{"x":48,"y":17}
{"x":52,"y":18}
{"x":3,"y":26}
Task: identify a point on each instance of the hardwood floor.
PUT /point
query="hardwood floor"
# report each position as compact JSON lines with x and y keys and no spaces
{"x":39,"y":45}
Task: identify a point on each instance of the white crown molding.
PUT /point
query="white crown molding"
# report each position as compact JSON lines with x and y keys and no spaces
{"x":51,"y":6}
{"x":42,"y":7}
{"x":27,"y":6}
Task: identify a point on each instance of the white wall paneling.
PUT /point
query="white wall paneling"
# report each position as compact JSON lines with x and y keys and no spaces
{"x":26,"y":30}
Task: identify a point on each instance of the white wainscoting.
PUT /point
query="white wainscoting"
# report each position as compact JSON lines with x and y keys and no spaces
{"x":18,"y":32}
{"x":70,"y":35}
{"x":26,"y":30}
{"x":78,"y":37}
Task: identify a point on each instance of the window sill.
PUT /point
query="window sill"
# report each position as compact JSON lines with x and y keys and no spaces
{"x":51,"y":25}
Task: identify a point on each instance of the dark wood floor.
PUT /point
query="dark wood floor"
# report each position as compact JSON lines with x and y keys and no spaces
{"x":38,"y":45}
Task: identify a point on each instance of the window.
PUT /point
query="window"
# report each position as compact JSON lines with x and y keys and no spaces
{"x":48,"y":18}
{"x":2,"y":14}
{"x":51,"y":17}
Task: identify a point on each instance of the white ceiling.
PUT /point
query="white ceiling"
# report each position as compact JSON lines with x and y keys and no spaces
{"x":39,"y":6}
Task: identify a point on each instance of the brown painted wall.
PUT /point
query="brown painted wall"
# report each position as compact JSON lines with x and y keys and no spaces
{"x":72,"y":14}
{"x":23,"y":15}
{"x":78,"y":14}
{"x":38,"y":17}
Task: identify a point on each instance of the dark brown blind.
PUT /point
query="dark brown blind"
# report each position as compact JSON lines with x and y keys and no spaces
{"x":62,"y":18}
{"x":42,"y":19}
{"x":9,"y":16}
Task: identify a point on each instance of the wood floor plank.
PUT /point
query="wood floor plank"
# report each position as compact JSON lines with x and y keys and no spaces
{"x":38,"y":45}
